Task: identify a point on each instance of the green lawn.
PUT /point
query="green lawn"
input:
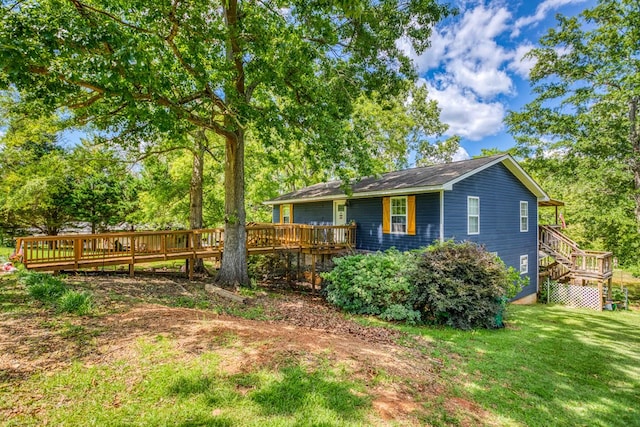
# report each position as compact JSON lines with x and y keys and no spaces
{"x":156,"y":391}
{"x":552,"y":366}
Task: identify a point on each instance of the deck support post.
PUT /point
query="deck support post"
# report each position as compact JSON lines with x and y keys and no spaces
{"x":191,"y":262}
{"x":600,"y":294}
{"x":132,"y":270}
{"x":298,"y":266}
{"x":288,"y":261}
{"x":313,"y":272}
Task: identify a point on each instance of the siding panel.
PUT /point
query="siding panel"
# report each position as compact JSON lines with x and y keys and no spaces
{"x":315,"y":213}
{"x":500,"y":194}
{"x":367,"y":213}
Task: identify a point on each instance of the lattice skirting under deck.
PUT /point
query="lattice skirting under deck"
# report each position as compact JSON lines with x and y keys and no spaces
{"x":574,"y":296}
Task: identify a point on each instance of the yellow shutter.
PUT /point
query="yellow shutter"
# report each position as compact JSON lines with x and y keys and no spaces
{"x":291,"y":214}
{"x":411,"y":215}
{"x":386,"y":215}
{"x":281,"y":211}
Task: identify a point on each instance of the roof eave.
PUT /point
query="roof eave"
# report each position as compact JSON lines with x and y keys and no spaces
{"x":364,"y":194}
{"x":514,"y":168}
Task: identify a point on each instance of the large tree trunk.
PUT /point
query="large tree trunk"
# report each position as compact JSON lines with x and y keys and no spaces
{"x":233,"y":271}
{"x":195,"y":193}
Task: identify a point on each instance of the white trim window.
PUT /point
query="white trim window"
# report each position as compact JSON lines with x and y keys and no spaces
{"x":524,"y":264}
{"x":398,"y":215}
{"x":473,"y":215}
{"x":524,"y":216}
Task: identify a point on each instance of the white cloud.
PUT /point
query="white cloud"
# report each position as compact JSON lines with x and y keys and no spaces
{"x":521,"y":65}
{"x":465,"y":113}
{"x":541,"y":13}
{"x":484,"y":80}
{"x":461,"y":154}
{"x":469,"y":70}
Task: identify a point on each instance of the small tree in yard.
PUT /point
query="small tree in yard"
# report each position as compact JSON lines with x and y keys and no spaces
{"x":462,"y":285}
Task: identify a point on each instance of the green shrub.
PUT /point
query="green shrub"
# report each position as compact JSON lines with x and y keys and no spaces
{"x":634,"y":270}
{"x":53,"y":292}
{"x":375,"y":284}
{"x":543,"y":291}
{"x":462,"y":285}
{"x":30,"y":278}
{"x":45,"y":288}
{"x":397,"y":312}
{"x":79,"y":303}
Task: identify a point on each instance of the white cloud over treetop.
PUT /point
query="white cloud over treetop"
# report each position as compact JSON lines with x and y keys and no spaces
{"x":472,"y":62}
{"x":465,"y":114}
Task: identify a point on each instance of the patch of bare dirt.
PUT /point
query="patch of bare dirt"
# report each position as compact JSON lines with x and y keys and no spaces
{"x":296,"y":327}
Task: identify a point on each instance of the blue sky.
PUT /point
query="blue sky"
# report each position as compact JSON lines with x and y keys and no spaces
{"x":475,"y":70}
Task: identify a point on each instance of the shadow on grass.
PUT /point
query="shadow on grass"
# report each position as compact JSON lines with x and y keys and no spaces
{"x":299,"y":389}
{"x":292,"y":391}
{"x":214,"y":390}
{"x":12,"y":295}
{"x":558,"y":367}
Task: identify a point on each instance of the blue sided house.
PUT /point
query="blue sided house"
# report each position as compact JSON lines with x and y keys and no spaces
{"x":489,"y":200}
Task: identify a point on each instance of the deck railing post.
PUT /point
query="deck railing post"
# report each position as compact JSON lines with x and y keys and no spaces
{"x":77,"y":251}
{"x":132,"y":249}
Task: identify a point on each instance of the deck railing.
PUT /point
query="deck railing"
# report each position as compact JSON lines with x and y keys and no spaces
{"x":79,"y":250}
{"x":581,"y":263}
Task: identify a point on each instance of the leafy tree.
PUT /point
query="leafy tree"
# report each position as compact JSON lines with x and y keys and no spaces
{"x":104,"y":192}
{"x":394,"y":126}
{"x":35,"y":175}
{"x":165,"y":180}
{"x":287,"y":69}
{"x":585,"y":116}
{"x":38,"y":194}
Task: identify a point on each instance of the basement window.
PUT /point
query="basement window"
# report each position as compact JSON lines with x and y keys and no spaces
{"x":524,"y":264}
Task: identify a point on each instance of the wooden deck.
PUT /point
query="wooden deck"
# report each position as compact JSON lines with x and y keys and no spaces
{"x":564,"y":261}
{"x":77,"y":251}
{"x":565,"y":258}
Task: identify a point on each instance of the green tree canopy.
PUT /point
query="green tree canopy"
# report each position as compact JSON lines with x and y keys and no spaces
{"x":288,"y":70}
{"x":585,"y":118}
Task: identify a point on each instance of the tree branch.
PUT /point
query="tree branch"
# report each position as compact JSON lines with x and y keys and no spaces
{"x":82,"y":7}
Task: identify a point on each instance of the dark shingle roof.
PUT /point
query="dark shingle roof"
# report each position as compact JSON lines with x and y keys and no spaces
{"x":429,"y":176}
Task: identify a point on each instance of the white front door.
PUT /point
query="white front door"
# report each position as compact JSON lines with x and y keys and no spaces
{"x":339,"y":212}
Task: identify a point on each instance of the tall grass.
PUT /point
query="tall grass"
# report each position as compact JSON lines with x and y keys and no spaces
{"x":54,"y":293}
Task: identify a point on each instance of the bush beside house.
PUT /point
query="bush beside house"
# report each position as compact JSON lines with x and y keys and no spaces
{"x":455,"y":284}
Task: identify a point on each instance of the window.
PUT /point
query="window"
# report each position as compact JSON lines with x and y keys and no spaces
{"x":524,"y":264}
{"x":286,"y":214}
{"x":473,"y":215}
{"x":524,"y":216}
{"x":399,"y":215}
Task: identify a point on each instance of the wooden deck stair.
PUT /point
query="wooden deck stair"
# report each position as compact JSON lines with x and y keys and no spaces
{"x":561,"y":259}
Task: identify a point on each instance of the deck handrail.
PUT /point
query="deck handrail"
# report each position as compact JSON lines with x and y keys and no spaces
{"x":586,"y":263}
{"x":137,"y":246}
